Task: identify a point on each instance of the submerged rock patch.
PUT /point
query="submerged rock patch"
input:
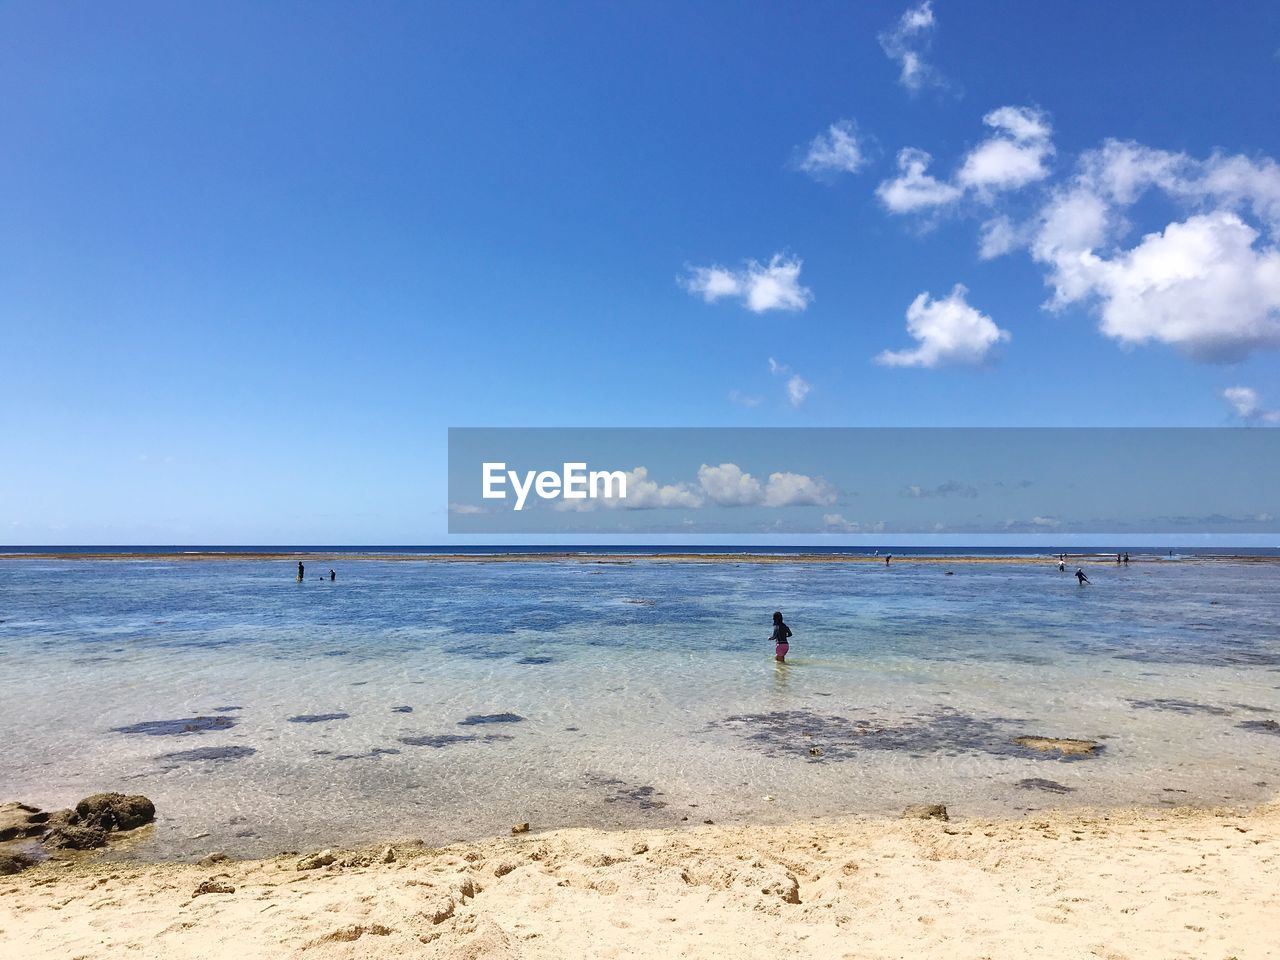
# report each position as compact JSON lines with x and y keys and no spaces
{"x":480,"y":718}
{"x":318,"y":717}
{"x":438,"y":740}
{"x":1175,"y":705}
{"x":209,"y":753}
{"x":1261,"y":726}
{"x":173,"y":728}
{"x":534,"y":660}
{"x":797,"y":732}
{"x":1048,"y":786}
{"x":374,"y":754}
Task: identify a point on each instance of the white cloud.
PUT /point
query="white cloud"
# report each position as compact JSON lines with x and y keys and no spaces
{"x":949,"y":332}
{"x":1248,"y":406}
{"x":907,"y":44}
{"x":642,"y":494}
{"x":1204,"y":285}
{"x":797,"y":389}
{"x":728,"y":485}
{"x":913,"y":189}
{"x":837,"y":522}
{"x":794,"y":489}
{"x":1200,"y":285}
{"x":1016,"y":156}
{"x":744,"y":399}
{"x":760,"y":287}
{"x":838,"y":150}
{"x":797,"y":386}
{"x":999,"y":236}
{"x":466,"y":509}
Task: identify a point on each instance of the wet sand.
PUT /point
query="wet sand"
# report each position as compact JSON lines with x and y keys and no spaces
{"x":1118,"y":884}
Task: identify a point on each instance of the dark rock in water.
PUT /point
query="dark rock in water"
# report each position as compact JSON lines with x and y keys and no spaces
{"x":209,"y":753}
{"x":14,"y":863}
{"x":318,"y":717}
{"x":173,"y":728}
{"x":74,"y":837}
{"x":1039,"y":783}
{"x":115,"y":811}
{"x":405,"y":709}
{"x":439,"y":740}
{"x":925,"y":811}
{"x":478,"y":718}
{"x":226,"y":709}
{"x":1174,"y":705}
{"x":534,"y":660}
{"x":19,"y":821}
{"x":1260,"y":726}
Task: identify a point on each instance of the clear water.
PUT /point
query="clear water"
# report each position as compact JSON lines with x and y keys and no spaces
{"x":647,"y":690}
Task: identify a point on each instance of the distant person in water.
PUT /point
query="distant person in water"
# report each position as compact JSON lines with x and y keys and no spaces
{"x":301,"y":571}
{"x":1062,"y":566}
{"x":887,"y":558}
{"x":1081,"y":577}
{"x":781,"y":634}
{"x":1126,"y":556}
{"x":332,"y":575}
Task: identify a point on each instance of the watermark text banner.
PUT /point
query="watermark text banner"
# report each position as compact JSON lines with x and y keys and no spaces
{"x":863,"y":481}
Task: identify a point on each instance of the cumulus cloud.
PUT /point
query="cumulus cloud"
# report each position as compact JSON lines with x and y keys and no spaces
{"x":949,"y":332}
{"x":837,"y":150}
{"x":728,"y":485}
{"x":837,"y":523}
{"x":908,"y":42}
{"x":466,"y":509}
{"x":759,"y":286}
{"x":1248,"y":405}
{"x":642,"y":494}
{"x":913,"y":189}
{"x":1017,"y":155}
{"x":1207,"y":285}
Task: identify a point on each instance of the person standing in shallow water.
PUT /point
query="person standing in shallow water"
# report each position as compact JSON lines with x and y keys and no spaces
{"x":333,"y":575}
{"x":781,"y":634}
{"x":301,"y":571}
{"x":1081,"y":577}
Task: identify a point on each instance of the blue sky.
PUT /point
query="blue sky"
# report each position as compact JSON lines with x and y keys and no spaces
{"x":255,"y":259}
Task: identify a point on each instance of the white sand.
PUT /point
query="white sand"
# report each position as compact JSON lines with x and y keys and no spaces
{"x":1117,"y":884}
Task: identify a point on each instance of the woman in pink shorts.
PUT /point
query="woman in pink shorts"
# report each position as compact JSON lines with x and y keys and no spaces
{"x":781,"y":634}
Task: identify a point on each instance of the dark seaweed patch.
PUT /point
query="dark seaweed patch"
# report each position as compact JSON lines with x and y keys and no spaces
{"x":226,"y":709}
{"x":209,"y":753}
{"x":318,"y":717}
{"x":1174,"y":705}
{"x":641,"y":797}
{"x":1261,"y":726}
{"x":534,"y":660}
{"x":404,"y":709}
{"x":374,"y":754}
{"x":438,"y":740}
{"x":795,"y":732}
{"x":1048,"y":786}
{"x":173,"y":728}
{"x":479,"y":718}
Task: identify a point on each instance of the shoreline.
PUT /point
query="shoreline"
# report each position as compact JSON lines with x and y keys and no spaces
{"x":1125,"y":882}
{"x":624,"y":558}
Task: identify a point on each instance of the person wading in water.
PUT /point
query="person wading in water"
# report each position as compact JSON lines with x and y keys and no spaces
{"x":781,"y":634}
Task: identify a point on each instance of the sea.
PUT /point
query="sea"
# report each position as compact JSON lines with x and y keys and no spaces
{"x":438,"y":699}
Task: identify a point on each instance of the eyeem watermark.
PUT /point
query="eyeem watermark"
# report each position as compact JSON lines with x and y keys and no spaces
{"x":574,"y":482}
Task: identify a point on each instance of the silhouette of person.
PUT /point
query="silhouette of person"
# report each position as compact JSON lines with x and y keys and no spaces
{"x":332,"y":575}
{"x":1081,"y":577}
{"x":301,"y":570}
{"x":781,"y":633}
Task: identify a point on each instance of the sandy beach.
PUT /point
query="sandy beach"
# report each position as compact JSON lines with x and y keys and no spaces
{"x":1118,"y":884}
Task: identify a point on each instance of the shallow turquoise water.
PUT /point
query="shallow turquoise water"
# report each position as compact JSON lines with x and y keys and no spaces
{"x":645,"y":692}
